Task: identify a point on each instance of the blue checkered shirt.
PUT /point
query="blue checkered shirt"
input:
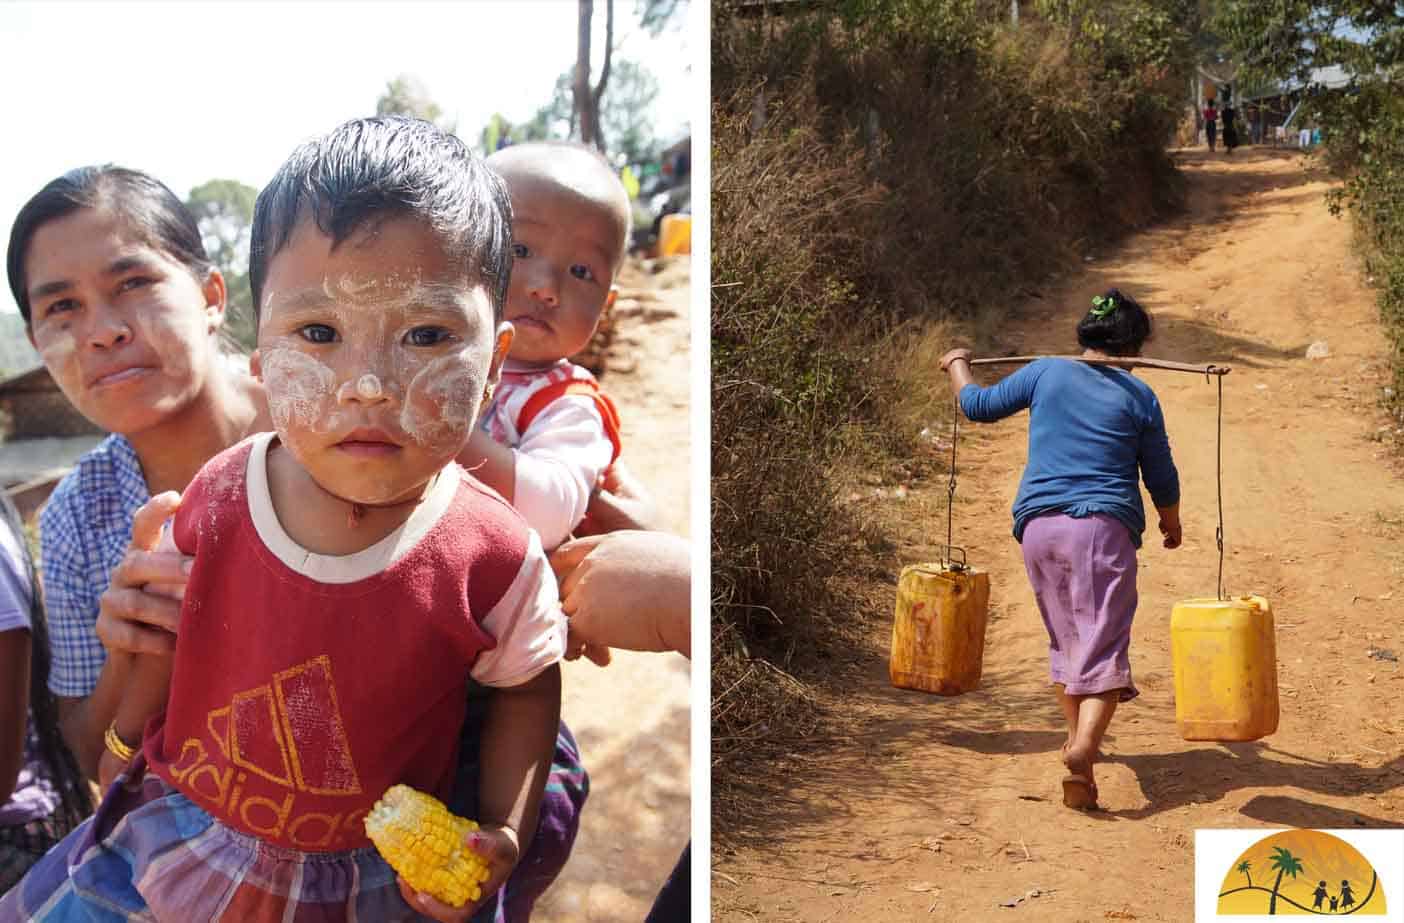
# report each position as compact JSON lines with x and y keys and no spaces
{"x":84,"y":530}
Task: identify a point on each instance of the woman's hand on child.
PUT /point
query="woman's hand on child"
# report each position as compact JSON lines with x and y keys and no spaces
{"x":620,"y":501}
{"x":499,"y":848}
{"x":140,"y":610}
{"x":630,"y":590}
{"x":952,"y":356}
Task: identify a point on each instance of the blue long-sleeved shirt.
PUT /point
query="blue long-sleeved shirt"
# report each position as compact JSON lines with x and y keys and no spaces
{"x":1091,"y":429}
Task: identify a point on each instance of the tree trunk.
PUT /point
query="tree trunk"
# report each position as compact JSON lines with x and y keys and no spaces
{"x":1272,"y":904}
{"x":585,"y":114}
{"x":598,"y":93}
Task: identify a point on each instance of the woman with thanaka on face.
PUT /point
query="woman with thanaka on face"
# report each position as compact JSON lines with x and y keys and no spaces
{"x":549,"y":435}
{"x":347,"y":575}
{"x":108,"y":268}
{"x":124,"y":308}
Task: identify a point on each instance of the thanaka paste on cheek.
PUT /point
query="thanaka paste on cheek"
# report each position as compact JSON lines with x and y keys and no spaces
{"x":442,"y":402}
{"x":174,"y":336}
{"x":298,"y":387}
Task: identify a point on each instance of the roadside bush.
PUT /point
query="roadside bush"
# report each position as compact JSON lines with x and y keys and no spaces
{"x":1366,"y":144}
{"x":795,"y":352}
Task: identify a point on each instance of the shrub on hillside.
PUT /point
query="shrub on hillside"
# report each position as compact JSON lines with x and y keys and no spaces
{"x":879,"y":165}
{"x":794,"y":354}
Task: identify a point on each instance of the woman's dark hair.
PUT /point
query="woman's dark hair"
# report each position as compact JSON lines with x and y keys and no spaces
{"x":151,"y":209}
{"x":1117,"y":325}
{"x":370,"y":170}
{"x":75,"y":799}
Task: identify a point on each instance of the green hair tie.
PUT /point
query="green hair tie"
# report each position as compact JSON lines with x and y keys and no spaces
{"x":1103,"y":305}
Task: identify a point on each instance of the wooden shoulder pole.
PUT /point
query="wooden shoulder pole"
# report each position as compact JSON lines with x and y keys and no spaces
{"x":1124,"y":362}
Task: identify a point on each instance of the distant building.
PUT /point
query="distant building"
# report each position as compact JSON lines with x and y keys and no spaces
{"x":33,"y":407}
{"x":1272,"y":113}
{"x":44,"y":436}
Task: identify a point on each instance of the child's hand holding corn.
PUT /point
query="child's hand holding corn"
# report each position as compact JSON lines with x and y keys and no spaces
{"x":458,"y":864}
{"x":498,"y":847}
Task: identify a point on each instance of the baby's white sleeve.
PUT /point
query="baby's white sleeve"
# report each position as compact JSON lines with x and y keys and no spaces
{"x":559,"y":459}
{"x":527,"y":623}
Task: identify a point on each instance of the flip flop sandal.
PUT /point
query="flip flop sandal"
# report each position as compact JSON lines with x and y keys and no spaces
{"x":1079,"y":792}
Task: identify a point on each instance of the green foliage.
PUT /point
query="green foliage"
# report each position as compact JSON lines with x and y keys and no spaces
{"x":1363,"y":126}
{"x":657,"y":16}
{"x":224,"y":210}
{"x":407,"y":95}
{"x":626,"y":112}
{"x":627,"y":115}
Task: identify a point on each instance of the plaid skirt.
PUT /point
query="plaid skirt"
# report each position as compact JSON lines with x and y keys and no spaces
{"x":150,"y":854}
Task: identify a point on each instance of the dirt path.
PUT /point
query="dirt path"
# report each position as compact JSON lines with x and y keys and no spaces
{"x":631,"y":718}
{"x":944,"y":809}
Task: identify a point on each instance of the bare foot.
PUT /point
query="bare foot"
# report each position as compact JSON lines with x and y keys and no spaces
{"x":1079,"y":788}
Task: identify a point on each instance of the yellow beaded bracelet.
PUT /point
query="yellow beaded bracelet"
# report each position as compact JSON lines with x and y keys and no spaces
{"x":115,"y":746}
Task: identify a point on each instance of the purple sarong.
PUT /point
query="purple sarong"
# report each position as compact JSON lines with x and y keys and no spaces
{"x":1083,"y":573}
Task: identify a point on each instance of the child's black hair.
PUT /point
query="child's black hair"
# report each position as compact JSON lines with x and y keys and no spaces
{"x":369,"y":170}
{"x":1117,"y":325}
{"x":75,"y":799}
{"x":151,"y":209}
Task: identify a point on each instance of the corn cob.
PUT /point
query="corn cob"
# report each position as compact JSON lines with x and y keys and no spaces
{"x":425,"y":843}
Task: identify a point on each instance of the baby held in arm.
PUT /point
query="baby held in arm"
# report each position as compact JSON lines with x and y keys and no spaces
{"x":549,"y":435}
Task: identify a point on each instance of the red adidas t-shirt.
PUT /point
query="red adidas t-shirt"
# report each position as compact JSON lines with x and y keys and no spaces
{"x":296,"y":700}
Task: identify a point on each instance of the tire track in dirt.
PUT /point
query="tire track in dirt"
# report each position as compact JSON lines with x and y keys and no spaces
{"x":943,"y":809}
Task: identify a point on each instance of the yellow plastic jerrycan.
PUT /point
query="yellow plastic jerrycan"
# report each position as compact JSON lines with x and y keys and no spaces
{"x":675,"y":235}
{"x":938,"y":637}
{"x":1225,"y":656}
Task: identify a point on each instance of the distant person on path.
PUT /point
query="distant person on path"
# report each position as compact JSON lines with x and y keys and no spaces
{"x":1211,"y":123}
{"x":1347,"y":899}
{"x":1319,"y":894}
{"x":1078,"y":513}
{"x":1230,"y":127}
{"x":1335,"y":902}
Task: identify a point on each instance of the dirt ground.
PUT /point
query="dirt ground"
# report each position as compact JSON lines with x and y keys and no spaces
{"x":947,"y":808}
{"x":631,"y":718}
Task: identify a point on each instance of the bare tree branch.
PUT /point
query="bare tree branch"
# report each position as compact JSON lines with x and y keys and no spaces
{"x":604,"y":72}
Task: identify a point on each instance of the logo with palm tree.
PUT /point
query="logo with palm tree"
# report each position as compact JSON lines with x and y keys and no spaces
{"x":1312,"y":872}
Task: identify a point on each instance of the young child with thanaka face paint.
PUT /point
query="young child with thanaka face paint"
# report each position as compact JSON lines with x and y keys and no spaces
{"x":549,"y":433}
{"x":348,"y":576}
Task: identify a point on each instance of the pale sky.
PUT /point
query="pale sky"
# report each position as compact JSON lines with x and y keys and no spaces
{"x":202,"y":90}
